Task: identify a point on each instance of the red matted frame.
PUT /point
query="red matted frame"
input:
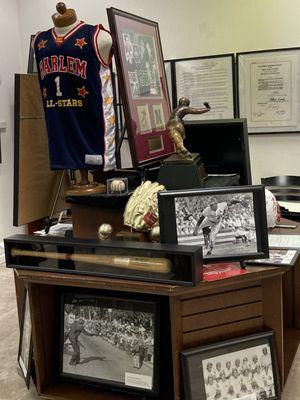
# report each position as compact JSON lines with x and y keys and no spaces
{"x":143,"y":85}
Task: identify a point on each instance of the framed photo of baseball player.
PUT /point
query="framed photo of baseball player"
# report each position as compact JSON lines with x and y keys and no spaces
{"x":110,"y":341}
{"x":228,"y":223}
{"x":143,"y":85}
{"x":243,"y":368}
{"x":25,"y":343}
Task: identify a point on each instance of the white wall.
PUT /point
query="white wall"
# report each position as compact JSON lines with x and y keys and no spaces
{"x":191,"y":28}
{"x":10,"y":63}
{"x":198,"y":27}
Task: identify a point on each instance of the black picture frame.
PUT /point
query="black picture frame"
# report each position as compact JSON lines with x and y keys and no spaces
{"x":146,"y":106}
{"x":206,"y":59}
{"x":195,"y":361}
{"x":31,"y":66}
{"x":186,"y":261}
{"x":276,"y":260}
{"x":243,"y":94}
{"x":25,"y":350}
{"x":120,"y":316}
{"x":257,"y":208}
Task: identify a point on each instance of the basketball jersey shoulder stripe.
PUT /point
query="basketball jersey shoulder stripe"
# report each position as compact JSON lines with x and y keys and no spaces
{"x":108,"y":115}
{"x":96,"y":48}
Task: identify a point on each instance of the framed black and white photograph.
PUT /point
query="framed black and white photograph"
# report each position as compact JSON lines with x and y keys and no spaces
{"x":228,"y":223}
{"x":279,"y":256}
{"x":110,"y":341}
{"x":25,"y":342}
{"x":243,"y":368}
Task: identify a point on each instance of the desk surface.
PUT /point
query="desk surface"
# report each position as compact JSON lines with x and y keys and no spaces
{"x":286,"y":231}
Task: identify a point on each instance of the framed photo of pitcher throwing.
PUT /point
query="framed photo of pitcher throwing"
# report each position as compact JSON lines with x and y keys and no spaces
{"x":228,"y":223}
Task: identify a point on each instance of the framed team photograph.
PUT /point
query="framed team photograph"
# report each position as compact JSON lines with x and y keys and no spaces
{"x":143,"y":85}
{"x":243,"y":368}
{"x":25,"y":343}
{"x":278,"y":256}
{"x":109,"y":341}
{"x":228,"y":223}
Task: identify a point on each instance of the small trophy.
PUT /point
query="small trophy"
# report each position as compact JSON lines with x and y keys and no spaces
{"x":182,"y":170}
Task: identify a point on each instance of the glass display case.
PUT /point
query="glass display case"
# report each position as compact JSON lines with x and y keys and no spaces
{"x":144,"y":261}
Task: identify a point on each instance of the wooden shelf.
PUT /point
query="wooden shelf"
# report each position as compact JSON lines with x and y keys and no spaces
{"x":191,"y":316}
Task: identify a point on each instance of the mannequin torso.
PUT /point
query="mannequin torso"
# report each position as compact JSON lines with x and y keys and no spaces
{"x":104,"y":41}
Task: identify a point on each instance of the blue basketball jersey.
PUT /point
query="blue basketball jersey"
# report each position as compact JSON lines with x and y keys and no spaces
{"x":78,"y":99}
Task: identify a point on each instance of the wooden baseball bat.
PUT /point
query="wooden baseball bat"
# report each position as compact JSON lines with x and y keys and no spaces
{"x":156,"y":264}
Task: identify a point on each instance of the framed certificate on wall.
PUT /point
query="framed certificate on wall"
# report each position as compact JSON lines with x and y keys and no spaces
{"x":210,"y":79}
{"x":268,"y":90}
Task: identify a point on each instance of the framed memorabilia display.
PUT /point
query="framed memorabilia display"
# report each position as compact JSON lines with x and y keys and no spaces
{"x":211,"y":79}
{"x":150,"y":262}
{"x":143,"y":85}
{"x":279,"y":257}
{"x":110,"y":341}
{"x":25,"y":342}
{"x":241,"y":368}
{"x":268,"y":90}
{"x":229,"y":223}
{"x":32,"y":67}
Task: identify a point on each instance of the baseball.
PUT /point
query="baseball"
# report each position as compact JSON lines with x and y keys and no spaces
{"x":117,"y":185}
{"x":105,"y":231}
{"x":155,"y":234}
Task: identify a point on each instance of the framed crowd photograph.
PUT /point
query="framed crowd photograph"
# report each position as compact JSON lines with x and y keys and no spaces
{"x":110,"y":342}
{"x":229,"y":223}
{"x":210,"y":79}
{"x":25,"y":343}
{"x":279,"y":257}
{"x":268,"y":90}
{"x":143,"y":86}
{"x":243,"y":368}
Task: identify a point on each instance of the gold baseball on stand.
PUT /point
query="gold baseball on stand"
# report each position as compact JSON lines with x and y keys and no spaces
{"x":105,"y":231}
{"x":155,"y":234}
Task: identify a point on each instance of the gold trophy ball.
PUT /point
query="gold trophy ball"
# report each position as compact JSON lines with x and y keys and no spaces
{"x":155,"y":234}
{"x":105,"y":231}
{"x":117,"y":185}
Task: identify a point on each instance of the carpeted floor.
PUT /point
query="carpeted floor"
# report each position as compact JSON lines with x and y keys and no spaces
{"x":12,"y":386}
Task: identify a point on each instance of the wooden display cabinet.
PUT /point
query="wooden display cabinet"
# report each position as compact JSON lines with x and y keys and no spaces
{"x":207,"y":313}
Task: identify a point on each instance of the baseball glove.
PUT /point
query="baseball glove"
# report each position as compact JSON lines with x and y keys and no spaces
{"x":141,"y":211}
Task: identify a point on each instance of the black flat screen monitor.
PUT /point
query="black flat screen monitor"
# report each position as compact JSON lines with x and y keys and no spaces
{"x":223,"y":145}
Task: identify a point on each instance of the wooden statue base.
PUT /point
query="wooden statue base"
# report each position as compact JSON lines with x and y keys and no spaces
{"x":86,"y":189}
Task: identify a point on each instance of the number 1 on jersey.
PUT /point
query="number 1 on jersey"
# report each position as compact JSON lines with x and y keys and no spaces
{"x":58,"y":91}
